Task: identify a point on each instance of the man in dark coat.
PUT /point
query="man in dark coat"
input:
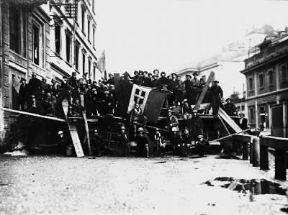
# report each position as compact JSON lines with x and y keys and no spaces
{"x":197,"y":133}
{"x":163,"y":82}
{"x":124,"y":140}
{"x":243,"y":123}
{"x":34,"y":86}
{"x":23,"y":94}
{"x":97,"y":143}
{"x":176,"y":140}
{"x":230,"y":108}
{"x":142,"y":141}
{"x":216,"y":93}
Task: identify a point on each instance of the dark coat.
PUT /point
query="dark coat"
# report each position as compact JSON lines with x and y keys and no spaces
{"x":243,"y":123}
{"x":196,"y":127}
{"x":230,"y":109}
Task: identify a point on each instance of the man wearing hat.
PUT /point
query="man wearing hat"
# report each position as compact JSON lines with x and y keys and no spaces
{"x":216,"y":93}
{"x":23,"y":93}
{"x":195,"y":81}
{"x":97,"y":143}
{"x":197,"y":133}
{"x":230,"y":108}
{"x":124,"y":142}
{"x":163,"y":81}
{"x":243,"y":123}
{"x":187,"y":83}
{"x":142,"y":141}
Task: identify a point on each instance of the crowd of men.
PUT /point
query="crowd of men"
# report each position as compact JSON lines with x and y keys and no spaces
{"x":99,"y":99}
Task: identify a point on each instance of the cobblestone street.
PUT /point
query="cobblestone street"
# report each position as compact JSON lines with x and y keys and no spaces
{"x":170,"y":185}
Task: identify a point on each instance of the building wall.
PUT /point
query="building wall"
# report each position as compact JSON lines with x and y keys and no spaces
{"x":33,"y":49}
{"x":17,"y":53}
{"x":81,"y":36}
{"x":266,"y":84}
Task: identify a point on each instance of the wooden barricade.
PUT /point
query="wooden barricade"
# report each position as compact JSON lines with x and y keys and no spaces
{"x":281,"y":146}
{"x":243,"y":141}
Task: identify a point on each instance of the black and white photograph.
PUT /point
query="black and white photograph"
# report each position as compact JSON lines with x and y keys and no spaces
{"x":143,"y":107}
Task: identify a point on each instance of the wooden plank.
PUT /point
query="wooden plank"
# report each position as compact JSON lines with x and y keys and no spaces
{"x":73,"y":131}
{"x":226,"y":129}
{"x":275,"y":142}
{"x":280,"y":164}
{"x":86,"y":124}
{"x":204,"y":90}
{"x":264,"y":161}
{"x":87,"y":132}
{"x":243,"y":137}
{"x":33,"y":114}
{"x":228,"y":136}
{"x":229,"y":120}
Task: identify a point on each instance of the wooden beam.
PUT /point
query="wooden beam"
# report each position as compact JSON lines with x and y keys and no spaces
{"x":33,"y":114}
{"x":275,"y":142}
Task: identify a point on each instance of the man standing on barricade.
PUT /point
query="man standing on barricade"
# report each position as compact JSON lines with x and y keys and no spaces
{"x":135,"y":117}
{"x":230,"y":108}
{"x":216,"y":97}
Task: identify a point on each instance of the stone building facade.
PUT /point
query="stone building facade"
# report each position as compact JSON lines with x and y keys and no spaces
{"x":37,"y":37}
{"x":267,"y":82}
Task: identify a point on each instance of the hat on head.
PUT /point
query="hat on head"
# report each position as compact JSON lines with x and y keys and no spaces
{"x":228,"y":99}
{"x":194,"y":111}
{"x":188,"y":75}
{"x":215,"y":81}
{"x":140,"y":129}
{"x":195,"y":74}
{"x":174,"y":129}
{"x":60,"y":132}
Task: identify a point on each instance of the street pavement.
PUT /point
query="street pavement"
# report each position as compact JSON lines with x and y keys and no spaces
{"x":113,"y":185}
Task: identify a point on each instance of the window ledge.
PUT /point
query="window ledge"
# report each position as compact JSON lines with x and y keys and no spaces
{"x":38,"y":66}
{"x":17,"y":54}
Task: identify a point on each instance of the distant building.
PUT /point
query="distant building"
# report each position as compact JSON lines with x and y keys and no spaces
{"x":230,"y":61}
{"x":266,"y":76}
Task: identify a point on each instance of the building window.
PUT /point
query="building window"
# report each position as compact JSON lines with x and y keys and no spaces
{"x":89,"y":68}
{"x":261,"y":81}
{"x":76,"y":55}
{"x":57,"y":39}
{"x":37,"y":43}
{"x":83,"y":62}
{"x":17,"y":30}
{"x":284,"y":76}
{"x":271,"y":78}
{"x":83,"y":19}
{"x":252,"y":115}
{"x":263,"y":117}
{"x":93,"y":36}
{"x":68,"y":46}
{"x":250,"y":84}
{"x":88,"y":28}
